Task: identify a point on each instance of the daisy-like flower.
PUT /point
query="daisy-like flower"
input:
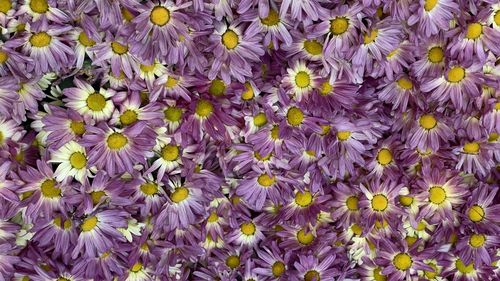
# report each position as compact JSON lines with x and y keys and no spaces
{"x":346,"y":204}
{"x":169,"y":160}
{"x":431,"y":58}
{"x":457,"y":269}
{"x":473,"y":39}
{"x":384,"y":162}
{"x":480,"y":209}
{"x":248,"y":234}
{"x":273,"y":26}
{"x":72,"y":161}
{"x":88,"y":102}
{"x":117,"y":150}
{"x":303,"y":48}
{"x":11,"y":60}
{"x":58,"y":231}
{"x":9,"y":131}
{"x":474,"y":248}
{"x":399,"y":92}
{"x":172,"y":115}
{"x":131,"y":111}
{"x":149,"y":73}
{"x":431,"y":16}
{"x":305,"y":207}
{"x":475,"y":156}
{"x":328,"y":96}
{"x":83,"y":43}
{"x":300,"y":80}
{"x":43,"y":9}
{"x":150,"y":193}
{"x":172,"y":86}
{"x":491,"y":119}
{"x":310,"y":268}
{"x":430,"y":131}
{"x":273,"y":262}
{"x":62,"y":126}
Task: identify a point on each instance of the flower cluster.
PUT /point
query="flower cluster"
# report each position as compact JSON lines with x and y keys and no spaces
{"x":249,"y":140}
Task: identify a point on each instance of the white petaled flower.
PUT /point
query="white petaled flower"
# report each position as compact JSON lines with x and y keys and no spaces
{"x":72,"y":160}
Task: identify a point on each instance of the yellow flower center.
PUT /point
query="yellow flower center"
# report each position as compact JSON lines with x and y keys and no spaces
{"x":421,"y":226}
{"x":294,"y":116}
{"x":85,"y":40}
{"x":39,"y":6}
{"x":497,"y":106}
{"x":248,"y":228}
{"x":89,"y":223}
{"x":379,"y":202}
{"x":402,"y":261}
{"x":173,"y":114}
{"x":248,"y":93}
{"x":96,"y":102}
{"x":260,"y":158}
{"x":128,"y":117}
{"x":230,"y":39}
{"x":3,"y":57}
{"x":41,"y":39}
{"x":339,"y":25}
{"x":160,"y":16}
{"x":265,"y":180}
{"x":64,"y":225}
{"x":477,"y":240}
{"x":149,"y":188}
{"x":343,"y":135}
{"x":313,"y":47}
{"x":260,"y":119}
{"x":204,"y":108}
{"x":405,"y":83}
{"x":217,"y":87}
{"x":370,"y":37}
{"x":474,"y":30}
{"x":456,"y":74}
{"x":431,"y":274}
{"x":325,"y":129}
{"x":179,"y":195}
{"x":275,"y":132}
{"x":96,"y":196}
{"x":170,"y":152}
{"x":471,"y":148}
{"x":127,"y":15}
{"x":496,"y":18}
{"x":5,"y":6}
{"x":476,"y":213}
{"x":213,"y":217}
{"x":136,"y":267}
{"x":464,"y":269}
{"x":119,"y":48}
{"x":116,"y":141}
{"x":384,"y":156}
{"x":272,"y":18}
{"x":435,"y":54}
{"x":352,"y":203}
{"x":148,"y":68}
{"x":302,"y":79}
{"x":325,"y":89}
{"x":78,"y":160}
{"x":405,"y":200}
{"x":278,"y":268}
{"x":1,"y":137}
{"x":377,"y":276}
{"x":305,"y":238}
{"x":430,"y":4}
{"x":49,"y":189}
{"x":171,"y":82}
{"x":493,"y":137}
{"x":427,"y":121}
{"x":233,"y":261}
{"x":312,"y":275}
{"x":303,"y":199}
{"x":356,"y":229}
{"x":437,"y":195}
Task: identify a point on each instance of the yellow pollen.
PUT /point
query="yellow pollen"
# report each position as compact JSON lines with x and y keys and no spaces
{"x":464,"y":269}
{"x":303,"y":199}
{"x":476,"y":213}
{"x":265,"y":180}
{"x":405,"y":83}
{"x":248,"y":93}
{"x":471,"y":148}
{"x":493,"y":137}
{"x":305,"y":238}
{"x":173,"y":114}
{"x":136,"y":267}
{"x":278,"y":268}
{"x":170,"y":152}
{"x":127,"y":15}
{"x":410,"y":240}
{"x":339,"y":25}
{"x":456,"y":74}
{"x":325,"y":129}
{"x":96,"y":102}
{"x":160,"y":15}
{"x":261,"y":158}
{"x":352,"y":203}
{"x":39,"y":6}
{"x":379,"y":203}
{"x":49,"y":189}
{"x":128,"y":117}
{"x":89,"y":223}
{"x":213,"y":217}
{"x":325,"y":89}
{"x":437,"y":195}
{"x":147,"y":68}
{"x":427,"y":121}
{"x":3,"y":57}
{"x":430,"y":4}
{"x":477,"y":240}
{"x":78,"y":160}
{"x":302,"y":79}
{"x":356,"y":229}
{"x":405,"y":200}
{"x":275,"y":132}
{"x":96,"y":196}
{"x":294,"y":116}
{"x":370,"y":37}
{"x":431,"y":274}
{"x":149,"y":188}
{"x":230,"y":39}
{"x":260,"y":119}
{"x":313,"y":47}
{"x":384,"y":156}
{"x":402,"y":261}
{"x":171,"y":82}
{"x":381,"y":224}
{"x":474,"y":30}
{"x":435,"y":54}
{"x":217,"y":87}
{"x":204,"y":108}
{"x":312,"y":275}
{"x":119,"y":48}
{"x":85,"y":40}
{"x":5,"y":6}
{"x":40,"y":40}
{"x":421,"y":226}
{"x":311,"y":153}
{"x":248,"y":228}
{"x":496,"y":18}
{"x":233,"y":261}
{"x":179,"y":195}
{"x":116,"y":141}
{"x":497,"y":106}
{"x":377,"y":276}
{"x":343,"y":135}
{"x":272,"y":18}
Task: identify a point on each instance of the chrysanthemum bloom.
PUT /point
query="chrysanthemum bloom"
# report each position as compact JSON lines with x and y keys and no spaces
{"x":169,"y":160}
{"x":12,"y":61}
{"x":118,"y":150}
{"x":249,"y":233}
{"x":150,"y":194}
{"x":72,"y":161}
{"x":62,"y":126}
{"x":132,"y":110}
{"x":433,"y":15}
{"x":305,"y":207}
{"x":310,"y":268}
{"x":473,"y":40}
{"x":172,"y":86}
{"x":105,"y":266}
{"x":98,"y":232}
{"x":83,"y":43}
{"x":273,"y":261}
{"x":88,"y":102}
{"x":303,"y":48}
{"x":230,"y":44}
{"x":273,"y":27}
{"x":384,"y":159}
{"x":491,"y":119}
{"x":43,"y":10}
{"x":457,"y":269}
{"x":430,"y":131}
{"x":345,"y":202}
{"x":370,"y":271}
{"x":399,"y":92}
{"x":475,"y":247}
{"x":328,"y":97}
{"x":300,"y":80}
{"x":430,"y":58}
{"x":9,"y":131}
{"x":481,"y":212}
{"x":475,"y":156}
{"x":58,"y":231}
